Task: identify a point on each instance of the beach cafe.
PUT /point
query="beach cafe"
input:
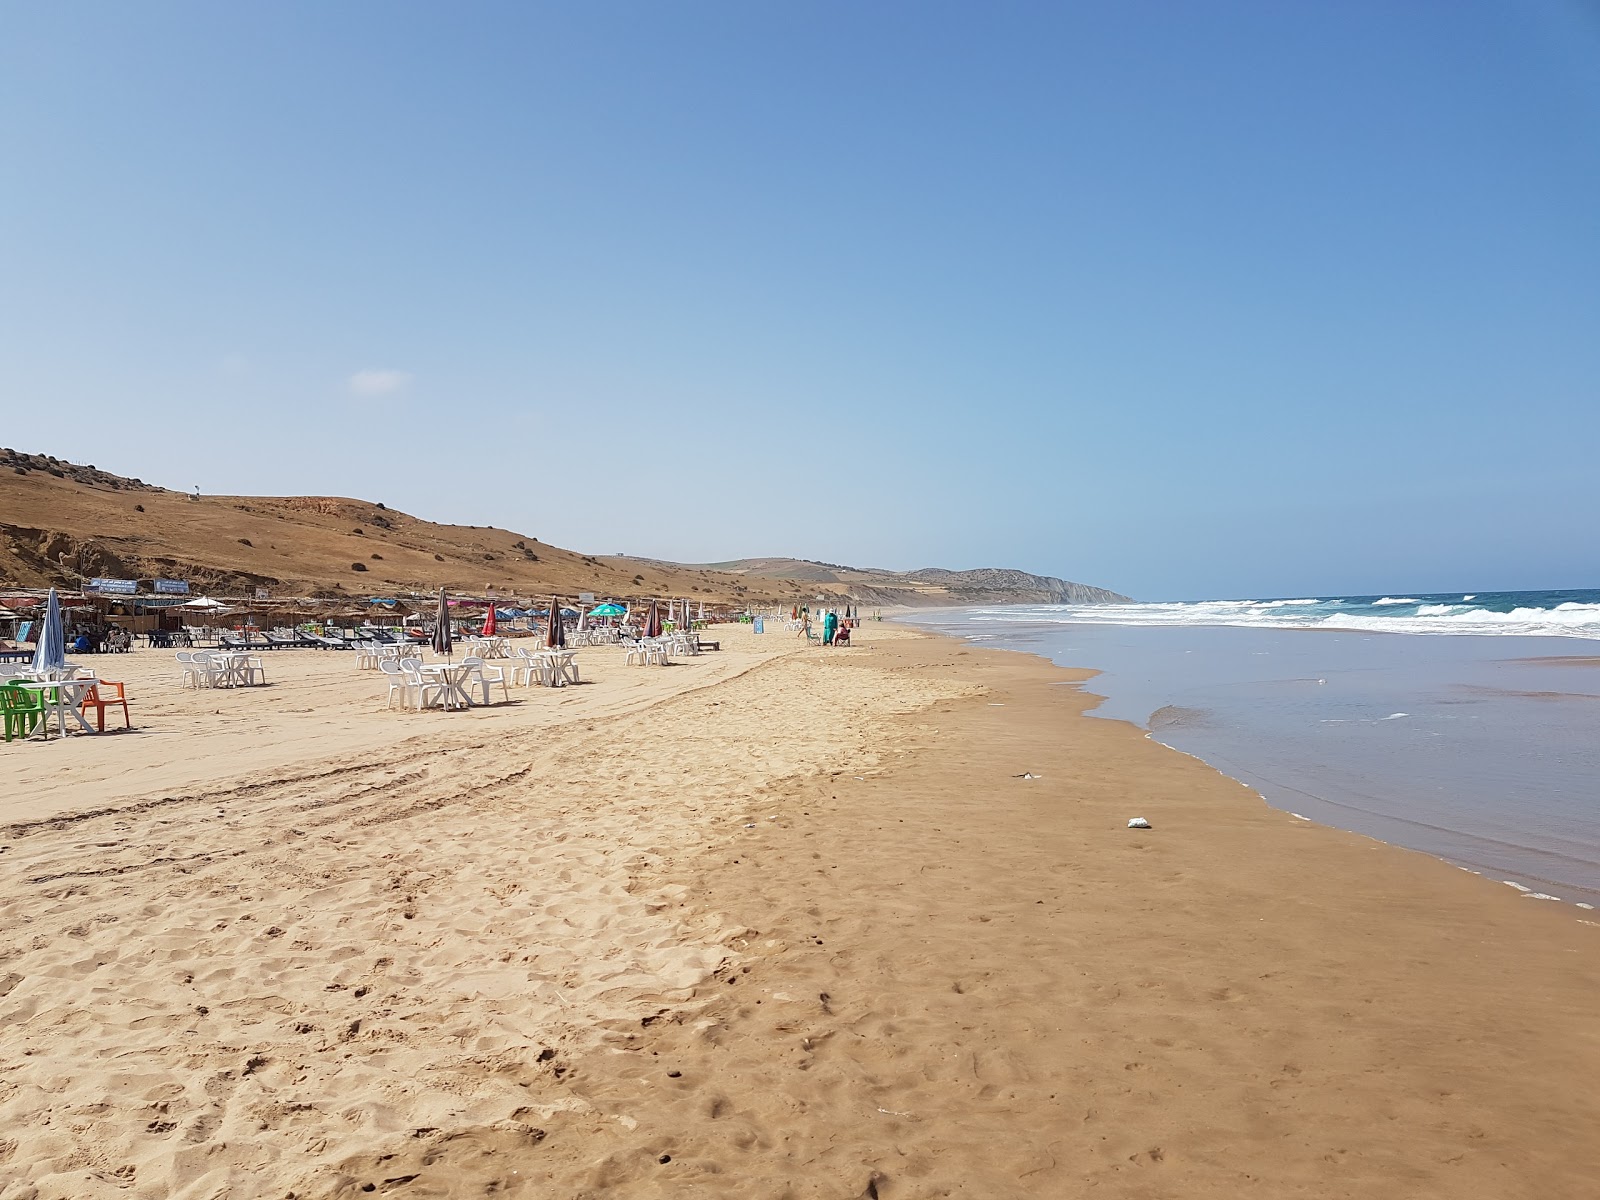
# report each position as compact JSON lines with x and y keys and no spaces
{"x":139,"y":606}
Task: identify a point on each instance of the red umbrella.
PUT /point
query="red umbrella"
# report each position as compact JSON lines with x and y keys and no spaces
{"x":488,"y":622}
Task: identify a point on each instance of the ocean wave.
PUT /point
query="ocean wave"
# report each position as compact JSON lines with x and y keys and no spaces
{"x":1395,"y":600}
{"x":1580,"y":619}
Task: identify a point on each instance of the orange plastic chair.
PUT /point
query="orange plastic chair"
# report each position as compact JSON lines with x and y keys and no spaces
{"x":96,"y":700}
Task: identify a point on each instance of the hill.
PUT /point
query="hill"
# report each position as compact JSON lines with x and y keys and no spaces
{"x":63,"y":523}
{"x":930,"y":585}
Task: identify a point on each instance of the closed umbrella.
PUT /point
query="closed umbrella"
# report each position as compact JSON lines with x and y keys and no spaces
{"x":51,"y":653}
{"x":583,"y":619}
{"x":488,"y":622}
{"x":555,"y":637}
{"x":652,"y":621}
{"x":442,"y":641}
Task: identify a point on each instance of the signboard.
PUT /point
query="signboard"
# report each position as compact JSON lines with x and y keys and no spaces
{"x":114,"y":587}
{"x":172,"y":587}
{"x":261,"y":593}
{"x":585,"y":597}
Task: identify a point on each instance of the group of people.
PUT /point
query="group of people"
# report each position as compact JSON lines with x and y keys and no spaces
{"x":835,"y":629}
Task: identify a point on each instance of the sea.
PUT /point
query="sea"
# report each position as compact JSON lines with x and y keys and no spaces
{"x":1464,"y":725}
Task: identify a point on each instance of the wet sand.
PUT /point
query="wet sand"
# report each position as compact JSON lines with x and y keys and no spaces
{"x":781,"y":923}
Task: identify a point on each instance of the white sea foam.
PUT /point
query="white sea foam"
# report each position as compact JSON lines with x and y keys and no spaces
{"x":1395,"y":600}
{"x":1570,"y":619}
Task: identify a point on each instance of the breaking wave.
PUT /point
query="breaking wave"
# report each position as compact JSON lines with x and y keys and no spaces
{"x":1571,"y":613}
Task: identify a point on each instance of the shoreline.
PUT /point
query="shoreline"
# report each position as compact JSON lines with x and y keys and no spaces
{"x":1352,"y":787}
{"x":800,"y":929}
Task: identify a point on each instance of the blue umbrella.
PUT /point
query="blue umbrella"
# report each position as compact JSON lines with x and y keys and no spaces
{"x":51,"y":653}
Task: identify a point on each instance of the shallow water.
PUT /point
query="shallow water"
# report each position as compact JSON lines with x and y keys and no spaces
{"x":1481,"y":750}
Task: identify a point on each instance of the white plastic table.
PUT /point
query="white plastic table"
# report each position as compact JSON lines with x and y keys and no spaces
{"x":453,"y":676}
{"x":69,"y":694}
{"x":234,"y":664}
{"x":563,"y":667}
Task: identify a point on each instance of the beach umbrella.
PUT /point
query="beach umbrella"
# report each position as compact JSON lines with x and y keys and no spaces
{"x":608,"y":609}
{"x":51,"y":653}
{"x":488,"y":623}
{"x":442,"y":641}
{"x":555,"y":637}
{"x":652,"y":621}
{"x":583,"y":619}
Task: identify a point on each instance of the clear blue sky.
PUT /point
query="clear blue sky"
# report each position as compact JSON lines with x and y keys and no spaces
{"x":1186,"y":300}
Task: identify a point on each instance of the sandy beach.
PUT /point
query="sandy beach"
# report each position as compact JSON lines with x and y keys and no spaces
{"x":774,"y":921}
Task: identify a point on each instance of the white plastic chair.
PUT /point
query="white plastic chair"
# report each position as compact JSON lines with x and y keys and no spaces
{"x":191,"y":673}
{"x":397,"y":683}
{"x":529,"y":668}
{"x":428,"y":693}
{"x":484,"y":676}
{"x":205,"y":672}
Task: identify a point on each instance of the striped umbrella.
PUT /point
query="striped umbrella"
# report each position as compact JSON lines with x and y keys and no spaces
{"x":652,"y":621}
{"x":555,"y":637}
{"x":51,"y":653}
{"x":443,"y":643}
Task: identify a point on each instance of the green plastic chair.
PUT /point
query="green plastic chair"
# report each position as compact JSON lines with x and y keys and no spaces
{"x":22,"y":710}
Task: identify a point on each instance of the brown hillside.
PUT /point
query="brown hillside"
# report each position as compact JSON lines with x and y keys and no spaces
{"x":61,"y":524}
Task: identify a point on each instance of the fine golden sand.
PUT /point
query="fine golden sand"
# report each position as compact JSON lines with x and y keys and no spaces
{"x":771,"y":922}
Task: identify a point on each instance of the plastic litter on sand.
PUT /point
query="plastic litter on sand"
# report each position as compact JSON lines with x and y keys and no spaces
{"x":1138,"y":823}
